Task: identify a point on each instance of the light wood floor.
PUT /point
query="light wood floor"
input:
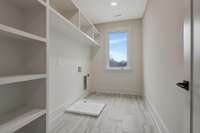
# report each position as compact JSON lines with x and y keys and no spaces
{"x":123,"y":114}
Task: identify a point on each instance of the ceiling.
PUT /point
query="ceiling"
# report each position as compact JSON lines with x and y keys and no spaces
{"x":100,"y":11}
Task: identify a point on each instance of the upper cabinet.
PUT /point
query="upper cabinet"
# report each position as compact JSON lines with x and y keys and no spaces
{"x":66,"y":17}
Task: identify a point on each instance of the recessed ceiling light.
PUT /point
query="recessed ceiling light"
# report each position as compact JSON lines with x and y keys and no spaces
{"x":113,"y":3}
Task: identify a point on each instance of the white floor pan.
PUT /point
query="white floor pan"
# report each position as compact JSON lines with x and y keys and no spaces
{"x":86,"y":107}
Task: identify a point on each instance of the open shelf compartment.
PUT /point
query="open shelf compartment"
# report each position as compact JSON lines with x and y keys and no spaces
{"x":96,"y":35}
{"x":86,"y":26}
{"x":25,"y":15}
{"x":36,"y":126}
{"x":21,"y":104}
{"x":21,"y":57}
{"x":67,"y":9}
{"x":19,"y":118}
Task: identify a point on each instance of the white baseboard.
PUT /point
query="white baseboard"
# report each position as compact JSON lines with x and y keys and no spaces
{"x":159,"y":123}
{"x":118,"y":91}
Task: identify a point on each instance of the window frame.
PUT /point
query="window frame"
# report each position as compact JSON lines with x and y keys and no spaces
{"x":121,"y":29}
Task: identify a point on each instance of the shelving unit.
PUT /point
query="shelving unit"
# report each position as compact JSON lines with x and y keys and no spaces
{"x":23,"y":63}
{"x":66,"y":17}
{"x":60,"y":23}
{"x":24,"y":26}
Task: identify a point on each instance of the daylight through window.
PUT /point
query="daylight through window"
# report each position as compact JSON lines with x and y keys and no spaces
{"x":118,"y":56}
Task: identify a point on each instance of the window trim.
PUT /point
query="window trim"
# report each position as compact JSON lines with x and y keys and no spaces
{"x":121,"y":29}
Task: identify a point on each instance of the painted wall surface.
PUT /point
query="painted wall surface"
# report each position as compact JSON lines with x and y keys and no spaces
{"x":164,"y":62}
{"x":66,"y":83}
{"x":119,"y":81}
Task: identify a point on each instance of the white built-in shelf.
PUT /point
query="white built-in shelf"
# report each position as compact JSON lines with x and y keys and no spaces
{"x":59,"y":22}
{"x":23,"y":55}
{"x":20,"y":78}
{"x":16,"y":33}
{"x":18,"y":118}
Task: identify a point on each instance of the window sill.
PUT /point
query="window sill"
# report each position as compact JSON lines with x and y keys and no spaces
{"x":119,"y":69}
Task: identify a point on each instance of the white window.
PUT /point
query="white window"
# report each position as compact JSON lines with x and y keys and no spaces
{"x":118,"y":50}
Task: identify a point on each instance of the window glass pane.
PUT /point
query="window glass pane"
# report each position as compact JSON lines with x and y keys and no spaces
{"x":118,"y":49}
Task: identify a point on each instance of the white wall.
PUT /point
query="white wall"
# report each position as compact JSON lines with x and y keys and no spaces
{"x":164,"y":62}
{"x":113,"y":81}
{"x":66,"y":83}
